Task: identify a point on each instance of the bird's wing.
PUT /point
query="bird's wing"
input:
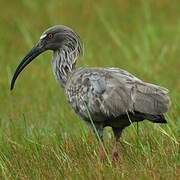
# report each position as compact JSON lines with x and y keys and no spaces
{"x":117,"y":92}
{"x":113,"y":92}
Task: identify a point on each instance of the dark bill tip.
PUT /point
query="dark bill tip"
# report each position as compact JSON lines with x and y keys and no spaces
{"x":26,"y":60}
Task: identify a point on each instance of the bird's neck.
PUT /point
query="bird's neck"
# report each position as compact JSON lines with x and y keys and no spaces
{"x":63,"y":64}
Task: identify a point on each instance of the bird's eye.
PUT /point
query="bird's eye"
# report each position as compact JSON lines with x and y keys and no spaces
{"x":50,"y":36}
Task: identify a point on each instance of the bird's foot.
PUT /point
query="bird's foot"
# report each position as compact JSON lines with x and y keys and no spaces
{"x":115,"y":154}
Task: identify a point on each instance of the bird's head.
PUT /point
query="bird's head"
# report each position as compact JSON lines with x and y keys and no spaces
{"x":54,"y":38}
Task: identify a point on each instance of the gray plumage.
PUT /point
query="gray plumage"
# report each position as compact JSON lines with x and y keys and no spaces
{"x":112,"y":96}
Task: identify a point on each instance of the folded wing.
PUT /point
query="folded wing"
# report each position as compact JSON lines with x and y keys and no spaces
{"x":121,"y":92}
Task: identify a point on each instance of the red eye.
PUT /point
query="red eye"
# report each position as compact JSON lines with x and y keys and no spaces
{"x":50,"y":36}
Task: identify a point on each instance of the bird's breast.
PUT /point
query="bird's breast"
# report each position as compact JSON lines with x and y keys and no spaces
{"x":83,"y":92}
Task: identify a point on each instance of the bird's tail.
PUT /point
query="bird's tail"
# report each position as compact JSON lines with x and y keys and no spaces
{"x":156,"y":118}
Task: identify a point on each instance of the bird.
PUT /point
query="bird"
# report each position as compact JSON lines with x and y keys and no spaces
{"x":101,"y":96}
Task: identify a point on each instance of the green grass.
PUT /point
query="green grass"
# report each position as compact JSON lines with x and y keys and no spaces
{"x":40,"y":137}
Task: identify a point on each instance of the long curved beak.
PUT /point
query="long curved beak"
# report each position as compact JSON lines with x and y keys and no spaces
{"x":37,"y":50}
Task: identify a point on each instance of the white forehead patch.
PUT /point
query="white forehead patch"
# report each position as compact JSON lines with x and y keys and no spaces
{"x":43,"y":36}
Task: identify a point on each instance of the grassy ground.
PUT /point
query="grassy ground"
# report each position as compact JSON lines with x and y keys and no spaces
{"x":40,"y":137}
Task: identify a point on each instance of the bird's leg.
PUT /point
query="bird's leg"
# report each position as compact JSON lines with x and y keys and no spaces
{"x":98,"y":131}
{"x":115,"y":153}
{"x":102,"y":152}
{"x":99,"y":135}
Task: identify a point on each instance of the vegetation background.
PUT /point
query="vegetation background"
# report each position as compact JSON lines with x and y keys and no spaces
{"x":40,"y":136}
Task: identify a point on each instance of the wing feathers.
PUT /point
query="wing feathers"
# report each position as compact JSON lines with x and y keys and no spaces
{"x":113,"y":92}
{"x":116,"y":102}
{"x":151,"y":99}
{"x":131,"y":94}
